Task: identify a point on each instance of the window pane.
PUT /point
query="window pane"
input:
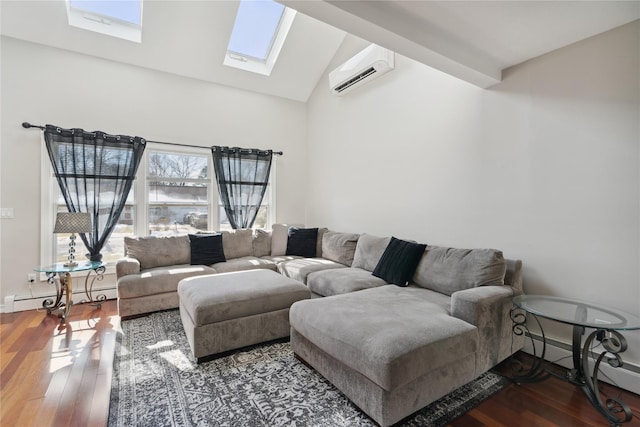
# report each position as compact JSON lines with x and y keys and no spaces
{"x":171,"y":192}
{"x":178,"y":191}
{"x":167,"y":220}
{"x":255,"y":28}
{"x":105,"y":196}
{"x":124,"y":10}
{"x":168,"y":165}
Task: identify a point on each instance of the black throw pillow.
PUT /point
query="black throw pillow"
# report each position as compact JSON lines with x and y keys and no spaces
{"x":206,"y":249}
{"x":302,"y":242}
{"x":399,"y":261}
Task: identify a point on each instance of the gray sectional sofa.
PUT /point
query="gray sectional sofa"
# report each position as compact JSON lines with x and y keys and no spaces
{"x":390,"y":349}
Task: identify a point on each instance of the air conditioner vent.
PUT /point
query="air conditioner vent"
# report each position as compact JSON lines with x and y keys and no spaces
{"x":370,"y":63}
{"x":356,"y":79}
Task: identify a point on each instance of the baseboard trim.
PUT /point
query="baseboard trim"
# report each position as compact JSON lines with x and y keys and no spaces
{"x":626,"y":377}
{"x":13,"y":304}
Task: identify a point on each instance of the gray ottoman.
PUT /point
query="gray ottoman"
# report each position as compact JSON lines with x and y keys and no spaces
{"x":222,"y":312}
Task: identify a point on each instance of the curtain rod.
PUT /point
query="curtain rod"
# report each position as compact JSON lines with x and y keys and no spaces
{"x":28,"y":125}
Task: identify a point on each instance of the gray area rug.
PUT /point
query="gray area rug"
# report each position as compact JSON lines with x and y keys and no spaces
{"x":156,"y":382}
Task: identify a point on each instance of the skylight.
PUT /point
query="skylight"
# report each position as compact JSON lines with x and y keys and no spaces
{"x":258,"y":35}
{"x":116,"y":18}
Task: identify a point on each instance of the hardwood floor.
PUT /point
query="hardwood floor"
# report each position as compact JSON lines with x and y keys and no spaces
{"x":52,"y":376}
{"x":57,"y":376}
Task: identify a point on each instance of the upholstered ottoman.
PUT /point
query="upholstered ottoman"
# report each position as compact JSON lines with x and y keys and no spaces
{"x":389,"y":349}
{"x":222,"y":312}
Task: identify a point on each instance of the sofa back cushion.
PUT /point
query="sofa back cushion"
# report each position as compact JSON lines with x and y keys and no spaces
{"x":237,"y":243}
{"x":152,"y":251}
{"x":339,"y":247}
{"x":447,"y":270}
{"x":261,"y":243}
{"x":279,"y":238}
{"x":369,"y":250}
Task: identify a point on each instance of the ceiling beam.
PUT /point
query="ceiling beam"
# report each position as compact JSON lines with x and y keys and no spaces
{"x":395,"y":27}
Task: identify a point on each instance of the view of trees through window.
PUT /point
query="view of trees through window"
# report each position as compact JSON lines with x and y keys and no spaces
{"x":178,"y":193}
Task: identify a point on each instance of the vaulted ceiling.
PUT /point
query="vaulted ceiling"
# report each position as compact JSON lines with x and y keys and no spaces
{"x":472,"y":40}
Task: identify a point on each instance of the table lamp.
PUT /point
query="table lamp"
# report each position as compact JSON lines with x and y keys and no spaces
{"x":72,"y":222}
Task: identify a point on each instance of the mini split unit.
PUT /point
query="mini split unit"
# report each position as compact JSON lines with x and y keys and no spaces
{"x":367,"y":65}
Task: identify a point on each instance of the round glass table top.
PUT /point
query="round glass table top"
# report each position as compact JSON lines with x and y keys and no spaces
{"x":60,"y":268}
{"x":576,"y":312}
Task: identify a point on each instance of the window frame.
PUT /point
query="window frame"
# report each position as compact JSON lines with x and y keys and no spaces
{"x":105,"y":24}
{"x":212,"y":190}
{"x":257,"y":65}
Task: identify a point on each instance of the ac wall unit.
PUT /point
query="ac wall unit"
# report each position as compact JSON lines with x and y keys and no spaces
{"x":367,"y":65}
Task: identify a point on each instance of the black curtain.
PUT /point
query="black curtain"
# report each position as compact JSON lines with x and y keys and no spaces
{"x":242,"y":175}
{"x":95,"y":172}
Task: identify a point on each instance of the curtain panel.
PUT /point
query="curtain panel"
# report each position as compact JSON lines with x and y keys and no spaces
{"x":95,"y":172}
{"x":242,"y":175}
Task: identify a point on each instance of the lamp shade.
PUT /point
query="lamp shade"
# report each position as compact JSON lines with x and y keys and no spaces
{"x":73,"y":222}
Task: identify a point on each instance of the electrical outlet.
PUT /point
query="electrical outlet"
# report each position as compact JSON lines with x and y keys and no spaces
{"x":31,"y":277}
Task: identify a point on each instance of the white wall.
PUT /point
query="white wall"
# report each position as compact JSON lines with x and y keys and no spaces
{"x":543,"y":166}
{"x":47,"y":85}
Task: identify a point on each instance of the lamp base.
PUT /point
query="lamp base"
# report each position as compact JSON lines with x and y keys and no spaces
{"x":70,"y":264}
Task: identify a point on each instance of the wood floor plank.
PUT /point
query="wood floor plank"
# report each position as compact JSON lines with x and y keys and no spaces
{"x":61,"y":376}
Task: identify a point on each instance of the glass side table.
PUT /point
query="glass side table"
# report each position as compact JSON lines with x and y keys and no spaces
{"x":64,"y":285}
{"x":606,"y":324}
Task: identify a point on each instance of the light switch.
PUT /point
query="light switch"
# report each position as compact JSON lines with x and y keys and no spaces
{"x":6,"y":213}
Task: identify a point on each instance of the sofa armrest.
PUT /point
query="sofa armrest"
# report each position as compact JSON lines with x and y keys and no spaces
{"x":488,"y":308}
{"x":126,"y":266}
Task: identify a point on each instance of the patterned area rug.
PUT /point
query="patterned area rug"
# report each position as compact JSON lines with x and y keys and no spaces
{"x":157,"y":383}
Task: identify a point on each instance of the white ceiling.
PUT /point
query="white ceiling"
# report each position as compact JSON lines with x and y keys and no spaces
{"x":472,"y":40}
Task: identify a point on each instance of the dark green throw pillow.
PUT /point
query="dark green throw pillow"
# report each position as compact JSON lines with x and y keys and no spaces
{"x":399,"y":261}
{"x":206,"y":249}
{"x":302,"y":242}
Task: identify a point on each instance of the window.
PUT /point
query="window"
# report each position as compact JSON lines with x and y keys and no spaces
{"x":178,"y":193}
{"x":258,"y":35}
{"x":174,"y":194}
{"x":116,"y":18}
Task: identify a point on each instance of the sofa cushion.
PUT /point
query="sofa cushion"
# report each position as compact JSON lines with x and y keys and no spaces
{"x":280,"y":258}
{"x":341,"y":281}
{"x":369,"y":250}
{"x":279,"y":237}
{"x":447,"y":270}
{"x":394,"y":334}
{"x":261,"y":243}
{"x":339,"y":247}
{"x":206,"y":249}
{"x":302,"y":242}
{"x":299,"y":269}
{"x":321,"y":232}
{"x":153,"y":251}
{"x":158,"y":280}
{"x":244,"y":263}
{"x":399,"y":261}
{"x":237,"y":243}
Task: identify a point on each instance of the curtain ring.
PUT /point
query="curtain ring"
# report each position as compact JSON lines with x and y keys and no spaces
{"x":58,"y":130}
